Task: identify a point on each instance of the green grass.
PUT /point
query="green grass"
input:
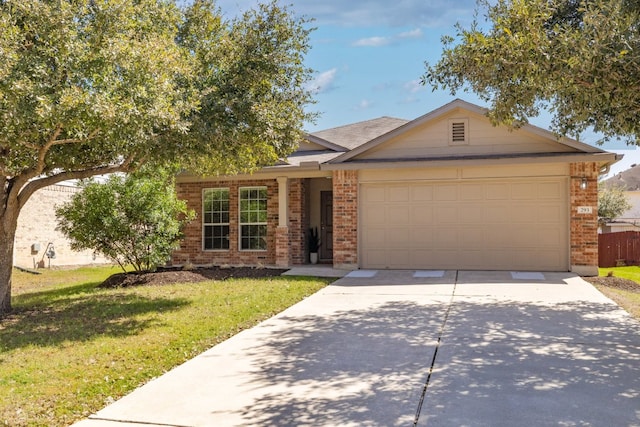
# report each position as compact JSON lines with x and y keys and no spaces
{"x":69,"y":348}
{"x":630,"y":272}
{"x":627,"y":299}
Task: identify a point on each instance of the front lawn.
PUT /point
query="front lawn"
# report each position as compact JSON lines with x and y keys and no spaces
{"x":70,"y":348}
{"x":628,"y":297}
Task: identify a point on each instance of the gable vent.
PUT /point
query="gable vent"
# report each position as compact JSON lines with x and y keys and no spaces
{"x":458,"y":131}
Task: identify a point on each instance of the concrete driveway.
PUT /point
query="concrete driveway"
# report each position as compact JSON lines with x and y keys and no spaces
{"x":407,"y":348}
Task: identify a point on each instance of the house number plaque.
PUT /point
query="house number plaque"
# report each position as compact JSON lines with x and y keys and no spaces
{"x":585,"y":210}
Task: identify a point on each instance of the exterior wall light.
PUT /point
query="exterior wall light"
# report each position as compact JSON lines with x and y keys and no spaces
{"x":583,"y":183}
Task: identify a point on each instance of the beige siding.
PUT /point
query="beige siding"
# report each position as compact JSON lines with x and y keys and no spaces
{"x":37,"y":224}
{"x":473,"y":172}
{"x":477,"y":224}
{"x":310,"y":146}
{"x":432,"y":140}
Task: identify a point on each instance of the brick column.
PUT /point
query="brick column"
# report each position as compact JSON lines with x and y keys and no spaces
{"x":345,"y":219}
{"x":584,"y":224}
{"x":283,"y":258}
{"x":282,"y":247}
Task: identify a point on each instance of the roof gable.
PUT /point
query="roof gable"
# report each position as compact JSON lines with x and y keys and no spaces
{"x":430,"y":137}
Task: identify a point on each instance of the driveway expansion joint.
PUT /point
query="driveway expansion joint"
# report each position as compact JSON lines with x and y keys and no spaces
{"x":142,"y":423}
{"x":435,"y":352}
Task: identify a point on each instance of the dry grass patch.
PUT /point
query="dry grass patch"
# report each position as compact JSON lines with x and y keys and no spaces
{"x":622,"y":285}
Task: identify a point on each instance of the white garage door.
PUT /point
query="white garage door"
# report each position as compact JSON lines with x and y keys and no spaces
{"x":483,"y":225}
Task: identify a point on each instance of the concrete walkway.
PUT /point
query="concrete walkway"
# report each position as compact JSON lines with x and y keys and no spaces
{"x":406,"y":348}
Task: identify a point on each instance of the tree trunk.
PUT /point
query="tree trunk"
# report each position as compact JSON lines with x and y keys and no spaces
{"x":8,"y":225}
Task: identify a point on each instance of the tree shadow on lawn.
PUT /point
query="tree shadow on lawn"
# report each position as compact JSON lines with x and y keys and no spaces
{"x":77,"y":313}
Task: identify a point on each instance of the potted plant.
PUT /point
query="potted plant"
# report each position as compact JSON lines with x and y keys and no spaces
{"x":314,"y":245}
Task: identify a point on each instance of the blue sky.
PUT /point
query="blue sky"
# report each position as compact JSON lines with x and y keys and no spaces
{"x":368,"y":56}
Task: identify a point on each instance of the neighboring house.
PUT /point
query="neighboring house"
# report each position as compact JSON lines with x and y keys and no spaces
{"x":36,"y":232}
{"x":629,"y":181}
{"x":444,"y":191}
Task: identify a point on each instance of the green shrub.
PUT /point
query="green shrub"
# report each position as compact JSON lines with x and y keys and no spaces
{"x":134,"y":220}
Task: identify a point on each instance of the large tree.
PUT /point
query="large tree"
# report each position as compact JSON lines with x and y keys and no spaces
{"x":90,"y":87}
{"x":578,"y":59}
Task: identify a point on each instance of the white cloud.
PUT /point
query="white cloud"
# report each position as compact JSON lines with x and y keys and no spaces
{"x":413,"y":86}
{"x":323,"y":82}
{"x":372,"y":42}
{"x":364,"y":104}
{"x":409,"y":100}
{"x":413,"y":34}
{"x":378,"y":41}
{"x":370,"y":13}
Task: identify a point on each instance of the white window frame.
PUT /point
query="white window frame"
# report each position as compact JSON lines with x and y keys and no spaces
{"x":216,"y":224}
{"x":249,"y":223}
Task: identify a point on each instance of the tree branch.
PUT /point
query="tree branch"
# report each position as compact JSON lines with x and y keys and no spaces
{"x":38,"y":169}
{"x":39,"y":183}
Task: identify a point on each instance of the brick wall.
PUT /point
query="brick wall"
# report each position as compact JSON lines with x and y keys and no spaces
{"x":345,"y":219}
{"x":584,"y":226}
{"x":191,"y":251}
{"x":37,"y":224}
{"x":297,"y":221}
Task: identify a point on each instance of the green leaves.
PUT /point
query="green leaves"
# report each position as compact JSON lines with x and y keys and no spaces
{"x":612,"y":202}
{"x":151,"y":82}
{"x":579,"y":59}
{"x":135,"y":220}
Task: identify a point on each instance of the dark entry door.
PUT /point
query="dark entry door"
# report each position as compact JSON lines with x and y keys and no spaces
{"x":326,"y":225}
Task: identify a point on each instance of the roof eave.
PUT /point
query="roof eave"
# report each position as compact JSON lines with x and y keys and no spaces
{"x":604,"y":159}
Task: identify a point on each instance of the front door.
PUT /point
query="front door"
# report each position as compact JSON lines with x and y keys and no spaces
{"x":326,"y":225}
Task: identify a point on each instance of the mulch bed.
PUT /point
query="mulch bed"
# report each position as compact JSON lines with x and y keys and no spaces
{"x":614,"y":282}
{"x":167,"y":276}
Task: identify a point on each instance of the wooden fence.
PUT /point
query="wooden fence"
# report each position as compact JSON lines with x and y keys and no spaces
{"x":621,"y":248}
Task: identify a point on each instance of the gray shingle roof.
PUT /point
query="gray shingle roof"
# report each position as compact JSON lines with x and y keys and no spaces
{"x":356,"y":134}
{"x":628,"y":179}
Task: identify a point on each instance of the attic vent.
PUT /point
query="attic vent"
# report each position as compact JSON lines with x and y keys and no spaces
{"x":458,"y":131}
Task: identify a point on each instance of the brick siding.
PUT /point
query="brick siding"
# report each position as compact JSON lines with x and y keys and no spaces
{"x":298,"y":222}
{"x":345,"y":219}
{"x":289,"y":249}
{"x":584,"y":227}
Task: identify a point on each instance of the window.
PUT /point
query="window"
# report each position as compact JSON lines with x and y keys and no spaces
{"x":253,"y":218}
{"x":215,"y":218}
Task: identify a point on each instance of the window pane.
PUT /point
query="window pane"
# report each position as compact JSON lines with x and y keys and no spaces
{"x":253,"y":218}
{"x":216,"y":237}
{"x":215,"y":211}
{"x":216,"y":206}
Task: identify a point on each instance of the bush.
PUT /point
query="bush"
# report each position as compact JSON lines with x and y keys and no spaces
{"x":134,"y":220}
